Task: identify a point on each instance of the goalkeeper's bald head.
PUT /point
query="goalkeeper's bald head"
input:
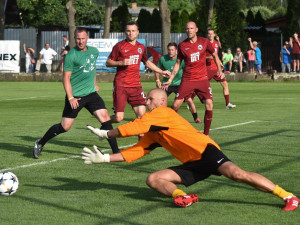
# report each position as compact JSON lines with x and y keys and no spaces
{"x":156,"y":98}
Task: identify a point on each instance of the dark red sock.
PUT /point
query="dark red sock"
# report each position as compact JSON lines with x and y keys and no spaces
{"x":207,"y":121}
{"x":226,"y":99}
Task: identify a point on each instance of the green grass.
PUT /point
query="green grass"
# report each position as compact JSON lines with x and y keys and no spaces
{"x":70,"y":192}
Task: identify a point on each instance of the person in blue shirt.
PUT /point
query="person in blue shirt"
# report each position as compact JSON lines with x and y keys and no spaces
{"x":258,"y":60}
{"x":285,"y":58}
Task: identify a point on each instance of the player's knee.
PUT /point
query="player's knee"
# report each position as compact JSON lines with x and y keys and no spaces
{"x":151,"y":180}
{"x":66,"y":127}
{"x":118,"y":118}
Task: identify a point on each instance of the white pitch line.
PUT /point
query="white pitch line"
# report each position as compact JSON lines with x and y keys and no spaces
{"x":55,"y":160}
{"x":15,"y":99}
{"x":233,"y":125}
{"x":104,"y":150}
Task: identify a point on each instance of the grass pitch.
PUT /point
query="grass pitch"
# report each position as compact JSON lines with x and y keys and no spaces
{"x":260,"y":135}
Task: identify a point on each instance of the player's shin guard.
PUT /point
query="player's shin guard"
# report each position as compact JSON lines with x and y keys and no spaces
{"x":112,"y":141}
{"x":53,"y":131}
{"x":207,"y":121}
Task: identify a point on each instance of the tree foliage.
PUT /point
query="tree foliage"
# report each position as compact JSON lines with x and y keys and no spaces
{"x":144,"y":21}
{"x":53,"y":12}
{"x":293,"y":17}
{"x":155,"y":22}
{"x":230,"y":24}
{"x":119,"y":18}
{"x":40,"y":12}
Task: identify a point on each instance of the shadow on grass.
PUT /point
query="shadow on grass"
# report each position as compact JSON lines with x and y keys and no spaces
{"x":135,"y":192}
{"x":103,"y":217}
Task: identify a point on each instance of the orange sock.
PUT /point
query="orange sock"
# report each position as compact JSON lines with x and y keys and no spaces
{"x":178,"y":192}
{"x":281,"y":193}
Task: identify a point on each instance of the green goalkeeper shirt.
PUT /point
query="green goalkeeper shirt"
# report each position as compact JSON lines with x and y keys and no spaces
{"x":82,"y":64}
{"x":165,"y":63}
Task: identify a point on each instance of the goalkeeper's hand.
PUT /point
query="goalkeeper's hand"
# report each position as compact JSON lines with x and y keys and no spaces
{"x":102,"y":134}
{"x":90,"y":156}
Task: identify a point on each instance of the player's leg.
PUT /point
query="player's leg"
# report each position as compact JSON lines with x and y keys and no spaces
{"x":139,"y":110}
{"x":177,"y":103}
{"x":119,"y":102}
{"x":193,"y":109}
{"x":164,"y":181}
{"x":225,"y":86}
{"x":96,"y":106}
{"x":68,"y":118}
{"x":208,"y":115}
{"x":233,"y":172}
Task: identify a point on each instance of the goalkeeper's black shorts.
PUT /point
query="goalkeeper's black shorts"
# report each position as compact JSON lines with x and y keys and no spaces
{"x":192,"y":172}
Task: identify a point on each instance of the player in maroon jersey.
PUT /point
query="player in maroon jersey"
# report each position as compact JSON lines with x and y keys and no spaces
{"x":212,"y":67}
{"x":127,"y":56}
{"x":194,"y":79}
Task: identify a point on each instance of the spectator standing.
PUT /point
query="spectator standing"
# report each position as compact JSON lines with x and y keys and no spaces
{"x":227,"y":61}
{"x":258,"y":60}
{"x":63,"y":55}
{"x":46,"y":56}
{"x":29,"y":59}
{"x":251,"y":59}
{"x":285,"y":58}
{"x":295,"y":44}
{"x":66,"y":42}
{"x":238,"y":60}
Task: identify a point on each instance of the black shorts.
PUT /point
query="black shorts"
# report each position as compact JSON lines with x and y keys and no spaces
{"x":172,"y":89}
{"x":192,"y":172}
{"x":295,"y":56}
{"x":91,"y":102}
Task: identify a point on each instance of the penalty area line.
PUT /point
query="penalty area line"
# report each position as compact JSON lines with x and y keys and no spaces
{"x":104,"y":150}
{"x":55,"y":160}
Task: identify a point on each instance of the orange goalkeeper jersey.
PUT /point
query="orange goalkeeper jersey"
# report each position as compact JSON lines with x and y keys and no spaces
{"x":163,"y":127}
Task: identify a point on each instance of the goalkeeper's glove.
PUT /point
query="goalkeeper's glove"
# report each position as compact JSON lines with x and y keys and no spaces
{"x":90,"y":156}
{"x":102,"y":134}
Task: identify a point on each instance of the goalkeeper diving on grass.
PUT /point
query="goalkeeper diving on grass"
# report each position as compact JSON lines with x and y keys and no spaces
{"x":199,"y":154}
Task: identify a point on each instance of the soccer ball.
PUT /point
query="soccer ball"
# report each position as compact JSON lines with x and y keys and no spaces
{"x":9,"y":183}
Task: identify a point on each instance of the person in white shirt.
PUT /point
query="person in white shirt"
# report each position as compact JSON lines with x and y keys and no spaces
{"x":46,"y":56}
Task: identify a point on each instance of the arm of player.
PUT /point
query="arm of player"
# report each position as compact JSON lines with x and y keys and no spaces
{"x":157,"y":81}
{"x":153,"y":67}
{"x":113,"y":63}
{"x":173,"y":73}
{"x":68,"y":88}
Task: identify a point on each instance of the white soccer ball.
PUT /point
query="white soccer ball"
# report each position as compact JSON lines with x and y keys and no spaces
{"x":9,"y":183}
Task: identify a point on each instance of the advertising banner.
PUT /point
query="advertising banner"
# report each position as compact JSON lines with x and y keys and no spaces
{"x":10,"y":56}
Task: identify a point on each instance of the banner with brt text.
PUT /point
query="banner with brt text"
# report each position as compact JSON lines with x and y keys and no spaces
{"x":10,"y":56}
{"x":105,"y":47}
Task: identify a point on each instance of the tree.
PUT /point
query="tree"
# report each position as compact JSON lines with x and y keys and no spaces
{"x":39,"y":12}
{"x":119,"y":18}
{"x":250,"y":18}
{"x":87,"y":13}
{"x":2,"y":20}
{"x":293,"y":17}
{"x":165,"y":24}
{"x":183,"y":19}
{"x":230,"y":24}
{"x":108,"y":6}
{"x":210,"y":12}
{"x":197,"y":16}
{"x":155,"y":22}
{"x":258,"y":20}
{"x":175,"y":25}
{"x":143,"y":21}
{"x":71,"y":21}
